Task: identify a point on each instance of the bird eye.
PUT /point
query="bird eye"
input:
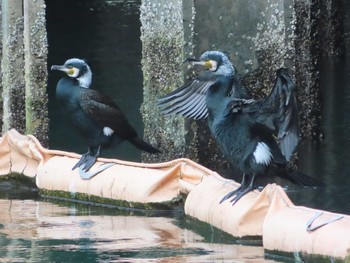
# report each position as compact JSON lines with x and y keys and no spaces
{"x":213,"y":65}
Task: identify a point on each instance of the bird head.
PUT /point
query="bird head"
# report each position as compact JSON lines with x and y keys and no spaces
{"x":215,"y":61}
{"x":78,"y":69}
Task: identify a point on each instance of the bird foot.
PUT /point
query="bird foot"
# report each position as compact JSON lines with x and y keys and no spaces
{"x":239,"y":195}
{"x":236,"y":194}
{"x":88,"y":175}
{"x":230,"y":194}
{"x":86,"y":162}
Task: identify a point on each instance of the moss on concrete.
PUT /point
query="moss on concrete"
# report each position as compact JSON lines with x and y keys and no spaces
{"x":302,"y":257}
{"x":179,"y":200}
{"x":13,"y":67}
{"x":30,"y":181}
{"x":24,"y":69}
{"x":36,"y":50}
{"x":162,"y":54}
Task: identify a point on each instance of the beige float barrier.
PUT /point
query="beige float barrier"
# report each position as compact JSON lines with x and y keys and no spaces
{"x":292,"y":228}
{"x":269,"y":214}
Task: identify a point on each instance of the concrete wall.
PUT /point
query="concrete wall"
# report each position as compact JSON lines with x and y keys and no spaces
{"x":162,"y":38}
{"x":13,"y":66}
{"x":23,"y":67}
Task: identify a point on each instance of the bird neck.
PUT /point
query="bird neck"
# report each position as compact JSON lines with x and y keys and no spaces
{"x":67,"y":93}
{"x":66,"y":84}
{"x":227,"y":69}
{"x":218,"y":99}
{"x":85,"y":79}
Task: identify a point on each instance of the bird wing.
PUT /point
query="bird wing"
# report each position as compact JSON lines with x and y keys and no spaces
{"x":278,"y":111}
{"x":282,"y":109}
{"x":105,"y":112}
{"x":189,"y":99}
{"x":262,"y":132}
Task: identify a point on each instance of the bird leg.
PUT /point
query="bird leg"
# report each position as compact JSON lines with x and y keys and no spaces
{"x":245,"y":187}
{"x":243,"y":191}
{"x":87,"y":160}
{"x":234,"y":192}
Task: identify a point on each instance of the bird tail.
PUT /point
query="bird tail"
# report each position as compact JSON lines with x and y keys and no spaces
{"x":142,"y":145}
{"x":303,"y":179}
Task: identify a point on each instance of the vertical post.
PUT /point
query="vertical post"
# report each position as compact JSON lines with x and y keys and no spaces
{"x":162,"y":55}
{"x":13,"y":66}
{"x":35,"y":56}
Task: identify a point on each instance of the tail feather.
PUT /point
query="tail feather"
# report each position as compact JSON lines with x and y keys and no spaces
{"x":303,"y":179}
{"x":142,"y":145}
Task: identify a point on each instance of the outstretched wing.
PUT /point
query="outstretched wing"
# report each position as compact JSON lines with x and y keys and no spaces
{"x":278,"y":111}
{"x":285,"y":115}
{"x":105,"y":112}
{"x":189,"y":99}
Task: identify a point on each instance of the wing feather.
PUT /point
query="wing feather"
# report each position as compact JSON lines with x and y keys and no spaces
{"x":189,"y":99}
{"x":106,"y":113}
{"x":278,"y":111}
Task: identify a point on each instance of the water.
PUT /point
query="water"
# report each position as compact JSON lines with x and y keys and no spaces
{"x":34,"y":229}
{"x":39,"y":230}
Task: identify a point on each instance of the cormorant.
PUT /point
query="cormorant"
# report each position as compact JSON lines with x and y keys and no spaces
{"x":243,"y":128}
{"x":96,"y":117}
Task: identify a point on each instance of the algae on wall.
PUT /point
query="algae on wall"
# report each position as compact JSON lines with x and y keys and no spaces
{"x":35,"y":55}
{"x":24,"y":73}
{"x":13,"y":66}
{"x":162,"y":55}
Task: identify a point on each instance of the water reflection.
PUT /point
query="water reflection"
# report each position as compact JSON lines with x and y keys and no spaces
{"x":41,"y":231}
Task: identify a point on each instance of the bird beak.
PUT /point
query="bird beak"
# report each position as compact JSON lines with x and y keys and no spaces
{"x":207,"y":64}
{"x":62,"y":68}
{"x":58,"y":67}
{"x":192,"y":60}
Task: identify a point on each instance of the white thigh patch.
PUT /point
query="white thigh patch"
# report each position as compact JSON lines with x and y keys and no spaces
{"x":107,"y":131}
{"x":262,"y":154}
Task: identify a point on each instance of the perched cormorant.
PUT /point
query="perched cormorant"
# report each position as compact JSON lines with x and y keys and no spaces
{"x":243,"y":128}
{"x":96,"y":117}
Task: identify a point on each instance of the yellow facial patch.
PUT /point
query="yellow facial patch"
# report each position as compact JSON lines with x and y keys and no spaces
{"x":70,"y":71}
{"x":73,"y":72}
{"x":208,"y":64}
{"x":211,"y":64}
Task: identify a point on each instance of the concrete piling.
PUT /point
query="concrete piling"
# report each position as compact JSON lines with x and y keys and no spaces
{"x":24,"y":73}
{"x":13,"y":92}
{"x":35,"y":57}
